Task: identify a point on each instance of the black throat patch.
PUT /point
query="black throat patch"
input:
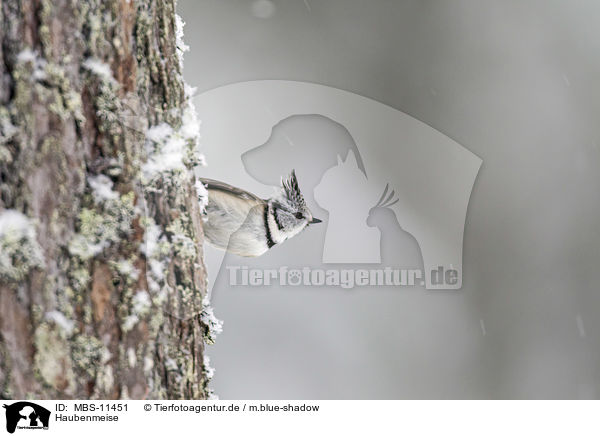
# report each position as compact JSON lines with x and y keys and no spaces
{"x":268,"y":236}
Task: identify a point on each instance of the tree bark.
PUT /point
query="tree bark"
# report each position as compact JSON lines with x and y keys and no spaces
{"x":101,"y":272}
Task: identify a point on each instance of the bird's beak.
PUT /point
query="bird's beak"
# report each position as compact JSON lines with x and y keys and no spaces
{"x":315,"y":221}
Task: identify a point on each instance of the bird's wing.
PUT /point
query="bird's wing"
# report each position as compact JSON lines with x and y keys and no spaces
{"x":215,"y":185}
{"x":230,"y":203}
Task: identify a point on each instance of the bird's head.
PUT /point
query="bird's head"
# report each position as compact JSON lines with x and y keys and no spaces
{"x":291,"y":213}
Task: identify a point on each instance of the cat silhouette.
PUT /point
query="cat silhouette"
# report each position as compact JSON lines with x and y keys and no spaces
{"x":346,"y":193}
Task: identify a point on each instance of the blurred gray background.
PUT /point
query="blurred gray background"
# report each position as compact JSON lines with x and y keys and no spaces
{"x":515,"y":82}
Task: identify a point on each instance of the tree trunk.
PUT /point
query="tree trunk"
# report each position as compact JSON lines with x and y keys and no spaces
{"x":101,"y":272}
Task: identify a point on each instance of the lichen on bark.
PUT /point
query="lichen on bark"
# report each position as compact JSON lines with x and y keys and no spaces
{"x":112,"y":306}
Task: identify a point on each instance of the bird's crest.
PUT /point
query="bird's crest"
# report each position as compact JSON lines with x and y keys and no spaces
{"x":292,"y":190}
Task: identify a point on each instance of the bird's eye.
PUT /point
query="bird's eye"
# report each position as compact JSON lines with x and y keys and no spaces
{"x":299,"y":215}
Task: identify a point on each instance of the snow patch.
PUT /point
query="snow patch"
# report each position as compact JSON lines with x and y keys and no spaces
{"x":208,"y":370}
{"x":151,"y":235}
{"x":190,"y":128}
{"x":14,"y":223}
{"x":19,"y":249}
{"x":131,"y":357}
{"x":80,"y":246}
{"x":169,"y":149}
{"x":170,"y":157}
{"x":129,"y":323}
{"x":182,"y":47}
{"x":202,"y":194}
{"x":166,"y":150}
{"x":141,"y":303}
{"x":170,"y":364}
{"x":99,"y":68}
{"x":159,"y":133}
{"x":102,"y":188}
{"x":148,"y":364}
{"x":157,"y":269}
{"x":126,"y":268}
{"x":214,"y":326}
{"x":67,"y":325}
{"x":7,"y":130}
{"x":26,"y":55}
{"x":38,"y":63}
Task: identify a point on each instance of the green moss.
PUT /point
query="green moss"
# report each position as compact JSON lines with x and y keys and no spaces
{"x":80,"y":277}
{"x":105,"y":380}
{"x":5,"y":155}
{"x":87,"y":352}
{"x":43,"y":29}
{"x":62,"y":99}
{"x":7,"y":132}
{"x":52,"y":359}
{"x":6,"y":371}
{"x":23,"y":95}
{"x":97,"y":20}
{"x":99,"y":228}
{"x":183,"y":245}
{"x":126,"y":270}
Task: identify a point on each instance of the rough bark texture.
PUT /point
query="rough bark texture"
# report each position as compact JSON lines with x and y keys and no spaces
{"x":101,"y":274}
